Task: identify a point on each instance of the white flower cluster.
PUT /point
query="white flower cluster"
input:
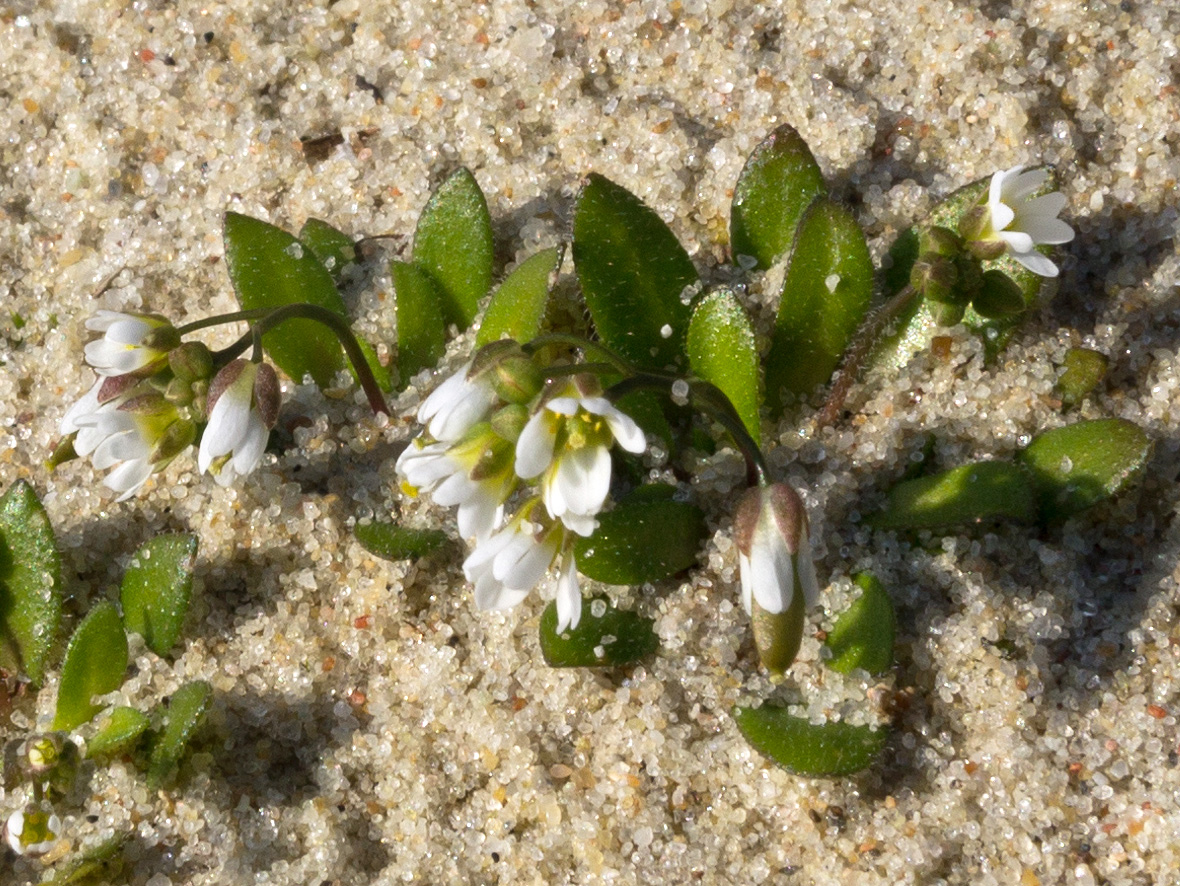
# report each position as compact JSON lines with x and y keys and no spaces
{"x":155,"y":394}
{"x":478,"y":450}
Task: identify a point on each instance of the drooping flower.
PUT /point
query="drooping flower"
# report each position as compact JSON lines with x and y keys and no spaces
{"x":32,"y":831}
{"x":130,"y":343}
{"x":457,"y":405}
{"x":510,"y":563}
{"x":243,"y":406}
{"x":567,"y":443}
{"x":129,"y":427}
{"x":1022,"y":222}
{"x":474,"y":473}
{"x":774,"y":549}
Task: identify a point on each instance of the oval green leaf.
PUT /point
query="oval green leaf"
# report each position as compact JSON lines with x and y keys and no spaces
{"x":334,"y":249}
{"x":778,"y":182}
{"x":975,"y":493}
{"x":30,"y":583}
{"x":269,"y":269}
{"x":829,"y":749}
{"x":421,"y":330}
{"x":392,"y":542}
{"x":863,"y":636}
{"x":1078,"y":466}
{"x":826,"y":292}
{"x":118,"y":731}
{"x":1083,"y":369}
{"x":186,"y":712}
{"x":641,"y":541}
{"x":633,"y":273}
{"x":156,"y":589}
{"x":95,"y":664}
{"x":517,"y":308}
{"x":610,"y":638}
{"x":721,"y":350}
{"x":453,"y":244}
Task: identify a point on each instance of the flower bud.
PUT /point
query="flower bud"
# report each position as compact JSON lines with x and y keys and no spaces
{"x":940,"y":241}
{"x":511,"y":373}
{"x":50,"y":760}
{"x":777,"y":572}
{"x":998,"y":296}
{"x":191,"y":361}
{"x":935,"y":277}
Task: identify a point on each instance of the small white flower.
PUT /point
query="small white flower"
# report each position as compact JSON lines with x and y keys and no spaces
{"x":475,"y":474}
{"x":507,"y":565}
{"x":243,"y":405}
{"x":127,"y":427}
{"x":137,"y":343}
{"x":32,"y":831}
{"x":1023,"y":222}
{"x":774,"y":549}
{"x":457,"y":405}
{"x":567,"y":443}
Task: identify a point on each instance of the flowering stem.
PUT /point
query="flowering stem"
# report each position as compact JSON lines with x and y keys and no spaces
{"x":709,"y":399}
{"x":866,"y":336}
{"x":268,"y":318}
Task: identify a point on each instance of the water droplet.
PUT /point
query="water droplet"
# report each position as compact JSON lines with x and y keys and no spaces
{"x":1066,"y":464}
{"x":680,"y":392}
{"x":598,"y":608}
{"x":832,"y":281}
{"x":295,"y":250}
{"x":666,"y":331}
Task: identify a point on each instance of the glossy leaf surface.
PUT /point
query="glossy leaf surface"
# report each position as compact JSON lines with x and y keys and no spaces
{"x":30,"y":583}
{"x":721,"y":350}
{"x":517,"y":307}
{"x":778,"y":182}
{"x":642,"y":540}
{"x":270,"y":268}
{"x":453,"y":244}
{"x":186,"y":712}
{"x":863,"y":635}
{"x":392,"y":542}
{"x":973,"y":493}
{"x":633,"y":273}
{"x":613,"y":637}
{"x":95,"y":664}
{"x":156,"y":589}
{"x":829,"y":749}
{"x":421,"y":330}
{"x":334,"y":249}
{"x":118,"y":731}
{"x":825,"y":295}
{"x":1078,"y":466}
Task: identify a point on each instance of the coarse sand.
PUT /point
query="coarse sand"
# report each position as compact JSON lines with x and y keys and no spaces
{"x":369,"y":725}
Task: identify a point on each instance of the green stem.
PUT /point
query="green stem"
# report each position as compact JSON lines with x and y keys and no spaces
{"x":219,"y":319}
{"x":858,"y":351}
{"x":269,"y":318}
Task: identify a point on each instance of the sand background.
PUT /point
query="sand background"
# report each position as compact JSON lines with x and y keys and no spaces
{"x":370,"y":726}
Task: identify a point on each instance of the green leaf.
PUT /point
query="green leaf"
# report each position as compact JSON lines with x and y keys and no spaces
{"x":392,"y":542}
{"x":863,"y":636}
{"x":615,"y":637}
{"x":721,"y":350}
{"x":1083,"y":370}
{"x":826,"y":292}
{"x":269,"y":269}
{"x":1078,"y":466}
{"x":118,"y":731}
{"x":641,"y":540}
{"x":974,"y":493}
{"x":95,"y":664}
{"x":30,"y":583}
{"x":453,"y":244}
{"x":518,"y":306}
{"x":156,"y":589}
{"x":830,"y":749}
{"x":633,"y":273}
{"x":334,"y":249}
{"x":98,"y":864}
{"x":778,"y":182}
{"x":421,"y":331}
{"x":380,"y":373}
{"x":186,"y":712}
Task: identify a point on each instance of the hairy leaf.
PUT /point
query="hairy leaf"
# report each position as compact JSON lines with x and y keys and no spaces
{"x":30,"y":583}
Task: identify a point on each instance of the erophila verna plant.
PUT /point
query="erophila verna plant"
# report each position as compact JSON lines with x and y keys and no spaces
{"x":556,"y":442}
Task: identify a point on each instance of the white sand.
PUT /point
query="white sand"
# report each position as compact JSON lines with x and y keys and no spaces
{"x":371,"y":726}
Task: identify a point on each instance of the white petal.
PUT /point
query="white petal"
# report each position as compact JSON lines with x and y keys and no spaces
{"x":564,"y":405}
{"x":490,"y":595}
{"x":426,"y":466}
{"x":228,"y":423}
{"x":479,"y":516}
{"x":455,"y":490}
{"x":249,"y":451}
{"x":529,"y":568}
{"x":534,"y":447}
{"x":1036,"y":263}
{"x":628,"y":434}
{"x":580,"y":483}
{"x":1049,"y":231}
{"x":87,"y":405}
{"x":1017,"y":241}
{"x":120,"y":447}
{"x":582,"y":525}
{"x":1018,"y":187}
{"x":772,"y":575}
{"x":569,"y":595}
{"x":128,"y":477}
{"x":747,"y":586}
